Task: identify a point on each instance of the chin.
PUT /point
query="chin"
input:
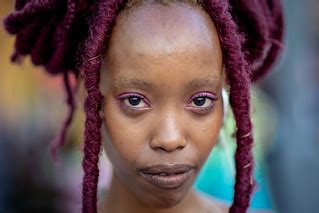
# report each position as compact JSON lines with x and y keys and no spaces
{"x":166,"y":199}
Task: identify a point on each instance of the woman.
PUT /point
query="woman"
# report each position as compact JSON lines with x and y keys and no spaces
{"x":153,"y":72}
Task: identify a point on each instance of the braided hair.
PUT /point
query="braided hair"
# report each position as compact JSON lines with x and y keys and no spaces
{"x":69,"y":37}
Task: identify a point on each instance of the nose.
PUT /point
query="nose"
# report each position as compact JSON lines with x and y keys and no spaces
{"x":168,"y":136}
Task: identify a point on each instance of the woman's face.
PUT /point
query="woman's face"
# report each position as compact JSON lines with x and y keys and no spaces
{"x":161,"y":81}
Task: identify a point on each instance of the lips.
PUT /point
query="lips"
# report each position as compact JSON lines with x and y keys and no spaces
{"x":167,"y":176}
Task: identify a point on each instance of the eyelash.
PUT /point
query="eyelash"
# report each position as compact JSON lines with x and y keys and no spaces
{"x":196,"y":109}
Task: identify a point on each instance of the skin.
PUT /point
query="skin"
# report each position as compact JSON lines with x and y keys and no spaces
{"x":166,"y":54}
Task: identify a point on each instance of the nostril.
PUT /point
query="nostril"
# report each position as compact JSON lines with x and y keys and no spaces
{"x":167,"y":148}
{"x":180,"y":147}
{"x":160,"y":149}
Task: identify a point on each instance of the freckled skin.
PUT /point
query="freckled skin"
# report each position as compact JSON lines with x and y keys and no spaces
{"x":167,"y":47}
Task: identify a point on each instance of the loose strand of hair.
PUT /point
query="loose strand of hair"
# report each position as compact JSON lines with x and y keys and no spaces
{"x":61,"y":138}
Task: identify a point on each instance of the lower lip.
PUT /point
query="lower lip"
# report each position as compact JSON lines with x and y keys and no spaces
{"x":169,"y":181}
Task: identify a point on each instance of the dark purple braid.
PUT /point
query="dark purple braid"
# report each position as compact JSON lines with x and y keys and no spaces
{"x":56,"y":65}
{"x":263,"y":24}
{"x":47,"y":38}
{"x":20,"y":4}
{"x":101,"y":25}
{"x":26,"y":38}
{"x":43,"y":48}
{"x":29,"y":11}
{"x":60,"y":140}
{"x":56,"y":62}
{"x":276,"y":22}
{"x":238,"y":75}
{"x":253,"y":13}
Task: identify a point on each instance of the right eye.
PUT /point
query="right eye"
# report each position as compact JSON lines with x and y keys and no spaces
{"x":133,"y":101}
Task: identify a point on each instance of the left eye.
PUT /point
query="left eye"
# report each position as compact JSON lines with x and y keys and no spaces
{"x":202,"y":102}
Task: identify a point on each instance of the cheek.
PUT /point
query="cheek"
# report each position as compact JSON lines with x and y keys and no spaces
{"x":204,"y":132}
{"x":125,"y":137}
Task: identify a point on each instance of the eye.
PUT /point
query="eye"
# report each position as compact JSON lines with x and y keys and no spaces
{"x":202,"y":102}
{"x":133,"y":101}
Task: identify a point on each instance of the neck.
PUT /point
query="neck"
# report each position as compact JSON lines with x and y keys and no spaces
{"x":120,"y":199}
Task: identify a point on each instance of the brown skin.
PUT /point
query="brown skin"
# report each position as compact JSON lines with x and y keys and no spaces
{"x":167,"y":54}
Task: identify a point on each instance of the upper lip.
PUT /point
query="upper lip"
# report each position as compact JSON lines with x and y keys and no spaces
{"x":167,"y":169}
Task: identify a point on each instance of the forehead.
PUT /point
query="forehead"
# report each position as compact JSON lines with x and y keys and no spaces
{"x":154,"y":37}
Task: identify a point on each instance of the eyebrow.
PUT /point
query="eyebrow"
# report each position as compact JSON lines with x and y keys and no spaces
{"x":133,"y":82}
{"x":210,"y":82}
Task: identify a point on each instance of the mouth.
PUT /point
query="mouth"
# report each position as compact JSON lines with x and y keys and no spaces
{"x":167,"y":176}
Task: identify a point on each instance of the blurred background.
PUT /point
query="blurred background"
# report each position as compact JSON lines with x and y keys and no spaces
{"x":286,"y":117}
